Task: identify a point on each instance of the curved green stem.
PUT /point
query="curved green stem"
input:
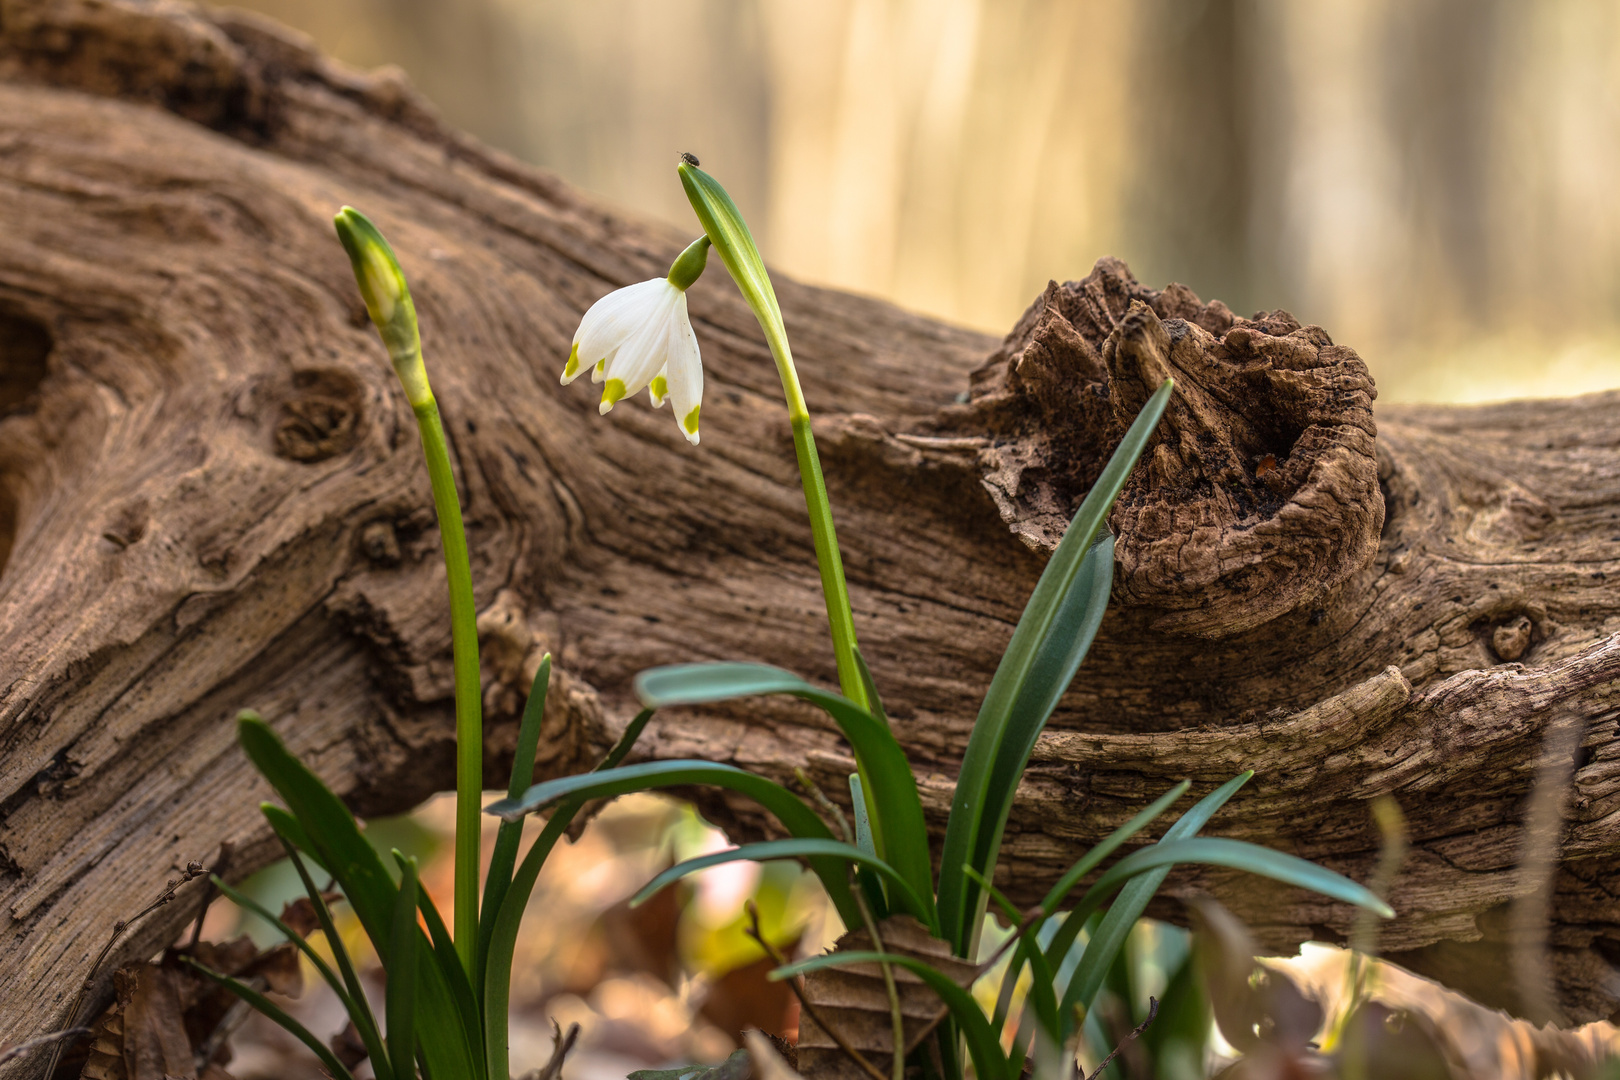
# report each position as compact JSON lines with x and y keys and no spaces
{"x":724,"y":225}
{"x":469,"y":706}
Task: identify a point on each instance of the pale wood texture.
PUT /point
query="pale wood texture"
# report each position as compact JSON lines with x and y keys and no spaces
{"x":212,"y":497}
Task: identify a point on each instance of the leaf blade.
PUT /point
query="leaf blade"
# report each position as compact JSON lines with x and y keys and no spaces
{"x":771,"y":850}
{"x":274,"y":1013}
{"x":402,"y":978}
{"x":957,"y":895}
{"x":890,"y":787}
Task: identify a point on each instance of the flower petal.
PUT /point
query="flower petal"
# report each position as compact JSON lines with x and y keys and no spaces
{"x":658,"y":389}
{"x":685,"y":373}
{"x":642,"y":354}
{"x":612,"y":320}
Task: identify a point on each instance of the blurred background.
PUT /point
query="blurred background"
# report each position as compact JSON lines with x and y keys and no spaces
{"x":1433,"y":181}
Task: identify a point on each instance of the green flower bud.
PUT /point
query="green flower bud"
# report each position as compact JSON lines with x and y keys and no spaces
{"x":688,"y":266}
{"x":388,"y":300}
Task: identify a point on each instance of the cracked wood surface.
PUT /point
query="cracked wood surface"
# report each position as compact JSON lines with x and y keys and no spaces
{"x":211,"y":496}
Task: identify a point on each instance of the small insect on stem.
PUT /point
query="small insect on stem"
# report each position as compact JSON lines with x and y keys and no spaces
{"x":690,"y":159}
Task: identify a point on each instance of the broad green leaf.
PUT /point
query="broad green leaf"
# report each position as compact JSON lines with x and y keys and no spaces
{"x":781,"y":849}
{"x":1138,"y":892}
{"x":1079,"y":614}
{"x":365,"y":1023}
{"x":899,"y":832}
{"x":798,"y":818}
{"x":509,"y":918}
{"x":402,"y":975}
{"x":271,"y":1012}
{"x":504,"y":856}
{"x":335,"y":840}
{"x":448,"y":960}
{"x":989,"y":1063}
{"x":356,"y":1015}
{"x":971,"y":806}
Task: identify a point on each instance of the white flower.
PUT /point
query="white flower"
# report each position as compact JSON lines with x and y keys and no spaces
{"x":640,"y":337}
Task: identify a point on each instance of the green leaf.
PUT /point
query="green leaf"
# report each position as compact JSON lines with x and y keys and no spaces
{"x":328,"y":828}
{"x":364,"y":1022}
{"x":736,"y":1067}
{"x":798,"y":818}
{"x":402,"y":974}
{"x":1029,"y":658}
{"x":779,"y":849}
{"x":870,"y":884}
{"x":509,"y":918}
{"x":1079,"y":614}
{"x":507,"y":838}
{"x":1092,"y":858}
{"x":874,"y":701}
{"x":1187,"y":825}
{"x":498,"y":975}
{"x":989,"y":1063}
{"x":271,"y":1012}
{"x":448,"y":960}
{"x":1238,"y":855}
{"x":291,"y":833}
{"x":899,"y":831}
{"x":1146,"y":866}
{"x":1042,"y":996}
{"x":359,"y":1017}
{"x":336,"y":841}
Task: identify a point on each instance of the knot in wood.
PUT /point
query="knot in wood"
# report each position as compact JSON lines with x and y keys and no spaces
{"x":1258,"y":493}
{"x":321,"y":418}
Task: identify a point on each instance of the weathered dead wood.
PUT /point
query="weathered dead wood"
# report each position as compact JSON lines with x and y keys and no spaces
{"x":211,"y":496}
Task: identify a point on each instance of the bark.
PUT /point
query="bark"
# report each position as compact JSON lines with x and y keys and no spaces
{"x":212,"y":496}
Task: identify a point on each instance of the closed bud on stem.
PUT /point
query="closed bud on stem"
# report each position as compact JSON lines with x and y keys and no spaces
{"x":688,"y":267}
{"x":388,"y":300}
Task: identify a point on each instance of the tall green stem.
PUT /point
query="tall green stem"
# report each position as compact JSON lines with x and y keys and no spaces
{"x":834,"y":590}
{"x":469,"y":706}
{"x":388,"y":301}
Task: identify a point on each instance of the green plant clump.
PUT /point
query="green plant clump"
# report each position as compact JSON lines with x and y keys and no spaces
{"x":447,"y":994}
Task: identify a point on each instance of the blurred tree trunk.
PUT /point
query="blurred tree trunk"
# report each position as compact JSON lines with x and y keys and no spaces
{"x":211,"y":497}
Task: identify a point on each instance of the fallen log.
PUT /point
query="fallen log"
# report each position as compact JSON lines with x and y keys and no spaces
{"x":211,"y":497}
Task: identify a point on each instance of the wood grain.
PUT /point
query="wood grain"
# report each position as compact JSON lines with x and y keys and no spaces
{"x":211,"y":496}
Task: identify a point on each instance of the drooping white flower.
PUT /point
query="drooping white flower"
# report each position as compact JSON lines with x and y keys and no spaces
{"x":639,"y":337}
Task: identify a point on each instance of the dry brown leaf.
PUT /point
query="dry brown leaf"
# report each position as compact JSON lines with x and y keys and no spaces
{"x":1252,"y":1004}
{"x":769,"y":1062}
{"x":164,"y":1014}
{"x":299,"y":914}
{"x":155,"y":1042}
{"x":855,"y":999}
{"x":745,"y":997}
